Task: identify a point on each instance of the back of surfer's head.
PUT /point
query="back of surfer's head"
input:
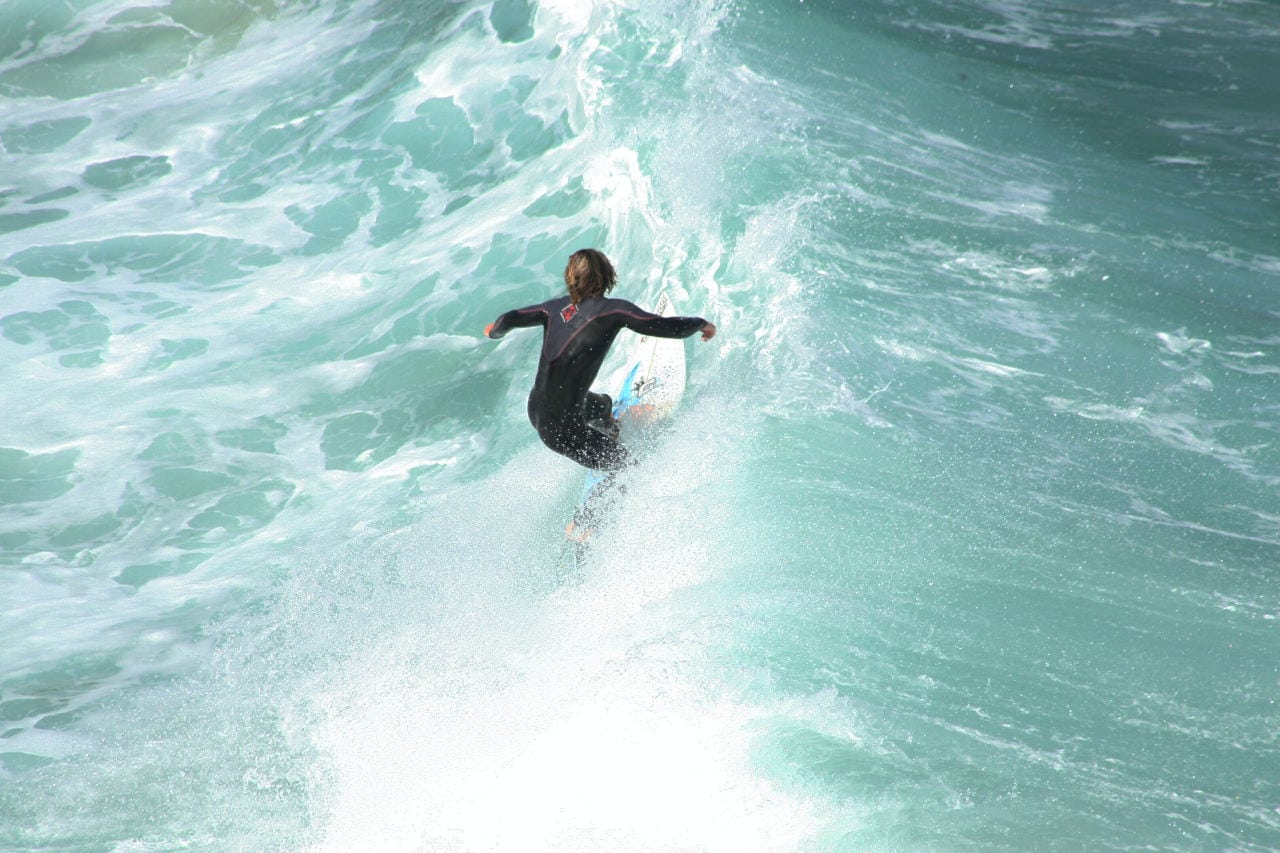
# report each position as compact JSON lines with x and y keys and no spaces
{"x":588,"y":274}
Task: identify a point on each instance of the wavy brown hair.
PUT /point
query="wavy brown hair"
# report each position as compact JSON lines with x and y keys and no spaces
{"x":588,"y":274}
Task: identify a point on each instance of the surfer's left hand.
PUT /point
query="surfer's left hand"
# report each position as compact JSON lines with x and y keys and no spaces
{"x":708,"y":331}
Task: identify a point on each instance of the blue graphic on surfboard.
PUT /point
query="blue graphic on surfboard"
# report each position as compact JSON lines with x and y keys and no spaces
{"x":645,"y":389}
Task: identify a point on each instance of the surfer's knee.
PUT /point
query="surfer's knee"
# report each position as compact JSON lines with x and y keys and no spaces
{"x":598,"y":407}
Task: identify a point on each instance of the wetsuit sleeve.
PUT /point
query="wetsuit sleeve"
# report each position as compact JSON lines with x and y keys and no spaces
{"x":639,"y":320}
{"x":534,"y":315}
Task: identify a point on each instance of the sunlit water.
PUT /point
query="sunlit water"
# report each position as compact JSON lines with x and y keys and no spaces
{"x":966,"y":535}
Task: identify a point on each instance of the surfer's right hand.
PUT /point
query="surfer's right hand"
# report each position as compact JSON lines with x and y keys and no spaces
{"x":708,"y":331}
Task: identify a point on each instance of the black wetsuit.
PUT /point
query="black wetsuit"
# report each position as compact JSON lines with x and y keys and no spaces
{"x":575,"y":340}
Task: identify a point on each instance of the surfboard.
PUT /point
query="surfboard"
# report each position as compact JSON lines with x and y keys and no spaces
{"x":645,"y":389}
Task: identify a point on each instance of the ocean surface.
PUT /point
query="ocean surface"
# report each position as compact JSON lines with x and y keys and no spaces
{"x":966,"y":535}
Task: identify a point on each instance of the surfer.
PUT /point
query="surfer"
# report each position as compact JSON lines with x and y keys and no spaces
{"x":577,"y":331}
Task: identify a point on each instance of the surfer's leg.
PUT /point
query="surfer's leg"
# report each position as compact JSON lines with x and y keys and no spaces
{"x":590,"y":512}
{"x":601,"y":451}
{"x":597,"y":406}
{"x":598,"y":412}
{"x":588,"y":447}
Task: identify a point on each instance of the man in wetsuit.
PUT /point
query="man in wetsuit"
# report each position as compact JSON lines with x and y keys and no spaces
{"x":578,"y":330}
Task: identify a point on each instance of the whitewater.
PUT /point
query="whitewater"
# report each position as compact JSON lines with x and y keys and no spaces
{"x":966,"y":534}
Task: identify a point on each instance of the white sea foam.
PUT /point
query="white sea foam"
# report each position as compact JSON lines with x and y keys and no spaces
{"x":578,"y":721}
{"x":1179,"y":344}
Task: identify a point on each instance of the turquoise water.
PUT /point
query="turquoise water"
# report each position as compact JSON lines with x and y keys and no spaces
{"x":966,"y":535}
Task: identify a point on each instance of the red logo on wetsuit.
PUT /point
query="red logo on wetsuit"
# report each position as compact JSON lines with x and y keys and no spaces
{"x":567,"y":312}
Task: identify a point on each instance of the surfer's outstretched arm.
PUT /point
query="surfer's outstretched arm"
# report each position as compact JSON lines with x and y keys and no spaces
{"x":533,"y":315}
{"x":645,"y":323}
